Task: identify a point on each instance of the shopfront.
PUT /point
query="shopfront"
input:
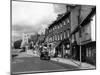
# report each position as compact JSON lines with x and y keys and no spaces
{"x":63,"y":49}
{"x":90,"y":52}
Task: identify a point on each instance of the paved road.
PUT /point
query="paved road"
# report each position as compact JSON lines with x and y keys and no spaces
{"x":34,"y":64}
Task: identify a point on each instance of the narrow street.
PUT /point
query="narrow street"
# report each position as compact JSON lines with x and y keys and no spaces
{"x":34,"y":64}
{"x":63,"y":32}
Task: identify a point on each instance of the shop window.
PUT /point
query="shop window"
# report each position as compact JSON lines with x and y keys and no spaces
{"x":93,"y":51}
{"x":89,"y":52}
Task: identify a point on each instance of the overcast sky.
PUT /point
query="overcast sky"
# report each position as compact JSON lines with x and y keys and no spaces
{"x":31,"y":17}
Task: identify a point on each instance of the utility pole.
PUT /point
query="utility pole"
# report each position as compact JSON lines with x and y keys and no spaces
{"x":80,"y":49}
{"x":79,"y":22}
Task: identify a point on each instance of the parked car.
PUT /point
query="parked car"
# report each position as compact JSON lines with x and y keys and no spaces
{"x":44,"y":55}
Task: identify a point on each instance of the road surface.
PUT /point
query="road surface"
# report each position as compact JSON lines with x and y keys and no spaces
{"x":34,"y":64}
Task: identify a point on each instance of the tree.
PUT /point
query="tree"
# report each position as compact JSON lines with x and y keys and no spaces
{"x":17,"y":44}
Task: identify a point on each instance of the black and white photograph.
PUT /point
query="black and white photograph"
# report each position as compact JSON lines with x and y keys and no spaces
{"x":52,"y":37}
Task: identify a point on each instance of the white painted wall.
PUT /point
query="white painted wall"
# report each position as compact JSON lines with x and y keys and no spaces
{"x":93,"y":26}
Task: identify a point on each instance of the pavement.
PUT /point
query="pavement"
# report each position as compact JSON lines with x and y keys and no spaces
{"x":74,"y":63}
{"x":28,"y":53}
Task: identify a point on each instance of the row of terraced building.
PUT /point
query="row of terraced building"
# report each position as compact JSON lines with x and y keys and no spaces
{"x":74,"y":31}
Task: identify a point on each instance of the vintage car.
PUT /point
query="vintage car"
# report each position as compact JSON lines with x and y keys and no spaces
{"x":44,"y":55}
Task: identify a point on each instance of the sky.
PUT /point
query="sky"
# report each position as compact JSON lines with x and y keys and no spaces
{"x":32,"y":17}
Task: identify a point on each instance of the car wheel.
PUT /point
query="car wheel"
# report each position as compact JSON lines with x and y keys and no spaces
{"x":48,"y":58}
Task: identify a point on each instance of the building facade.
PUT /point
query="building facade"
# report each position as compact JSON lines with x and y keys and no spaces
{"x":83,"y":33}
{"x":58,"y":33}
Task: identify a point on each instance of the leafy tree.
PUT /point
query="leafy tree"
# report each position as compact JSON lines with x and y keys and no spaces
{"x":17,"y":44}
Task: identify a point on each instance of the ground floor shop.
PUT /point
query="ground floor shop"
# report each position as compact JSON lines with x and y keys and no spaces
{"x":88,"y":52}
{"x":63,"y":49}
{"x":90,"y":56}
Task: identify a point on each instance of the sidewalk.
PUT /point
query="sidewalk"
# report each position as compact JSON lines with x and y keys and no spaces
{"x":74,"y":63}
{"x":23,"y":54}
{"x":28,"y":53}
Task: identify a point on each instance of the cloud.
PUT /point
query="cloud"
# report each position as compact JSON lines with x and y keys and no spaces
{"x":25,"y":29}
{"x":32,"y":17}
{"x":31,"y":13}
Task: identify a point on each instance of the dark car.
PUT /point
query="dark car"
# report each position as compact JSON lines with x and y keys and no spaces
{"x":44,"y":55}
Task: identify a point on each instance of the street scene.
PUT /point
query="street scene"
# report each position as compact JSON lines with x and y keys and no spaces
{"x":50,"y":37}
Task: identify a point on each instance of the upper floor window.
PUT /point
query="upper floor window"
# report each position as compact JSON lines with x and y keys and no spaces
{"x":64,"y":35}
{"x":68,"y":34}
{"x":61,"y":36}
{"x":51,"y":39}
{"x":64,"y":22}
{"x":67,"y":21}
{"x":60,"y":25}
{"x":58,"y":37}
{"x":49,"y":31}
{"x":53,"y":28}
{"x":68,"y":8}
{"x":55,"y":37}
